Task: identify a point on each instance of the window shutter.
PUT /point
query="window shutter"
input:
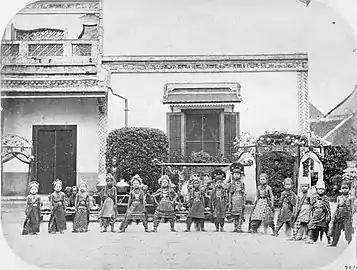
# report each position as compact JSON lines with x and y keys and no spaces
{"x":174,"y":132}
{"x":231,"y":131}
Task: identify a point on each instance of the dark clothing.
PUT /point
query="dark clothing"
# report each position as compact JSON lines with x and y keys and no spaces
{"x":196,"y":204}
{"x":57,"y":221}
{"x":165,"y":199}
{"x":33,"y":214}
{"x":342,"y":219}
{"x":81,"y":218}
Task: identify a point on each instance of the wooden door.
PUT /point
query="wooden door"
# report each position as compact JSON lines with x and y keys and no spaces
{"x":55,"y":155}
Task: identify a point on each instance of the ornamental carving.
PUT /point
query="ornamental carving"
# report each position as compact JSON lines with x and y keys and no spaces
{"x":56,"y":6}
{"x":184,"y":64}
{"x":8,"y":83}
{"x":49,"y":69}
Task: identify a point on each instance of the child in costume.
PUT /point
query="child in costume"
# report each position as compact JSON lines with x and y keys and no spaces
{"x":320,"y":214}
{"x":136,"y":205}
{"x":32,"y":211}
{"x":82,"y":204}
{"x":263,"y":211}
{"x":108,"y":211}
{"x":196,"y":212}
{"x":342,"y":219}
{"x":68,"y":196}
{"x":73,"y":197}
{"x":57,"y":221}
{"x":237,"y":196}
{"x":301,"y":215}
{"x":165,"y":199}
{"x":287,"y":202}
{"x":218,"y":200}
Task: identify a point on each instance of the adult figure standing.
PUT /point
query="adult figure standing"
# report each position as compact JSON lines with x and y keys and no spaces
{"x":115,"y":170}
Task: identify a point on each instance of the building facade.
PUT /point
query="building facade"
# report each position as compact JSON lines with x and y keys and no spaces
{"x":54,"y":94}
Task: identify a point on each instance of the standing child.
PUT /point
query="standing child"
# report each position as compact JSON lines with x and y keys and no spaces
{"x":165,"y":199}
{"x":57,"y":221}
{"x":108,"y":212}
{"x":32,"y":211}
{"x":81,"y":218}
{"x":136,"y":205}
{"x":287,"y":202}
{"x":196,"y":212}
{"x":301,"y":213}
{"x":218,"y":200}
{"x":342,"y":219}
{"x":320,"y":214}
{"x":263,"y":211}
{"x":237,"y":196}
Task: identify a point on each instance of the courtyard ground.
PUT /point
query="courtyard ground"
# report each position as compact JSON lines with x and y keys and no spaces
{"x":164,"y":249}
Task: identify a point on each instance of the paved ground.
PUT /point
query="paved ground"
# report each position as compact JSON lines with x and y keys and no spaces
{"x":136,"y":249}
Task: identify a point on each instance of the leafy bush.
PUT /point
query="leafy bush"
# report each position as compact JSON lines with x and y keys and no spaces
{"x":334,"y":162}
{"x":278,"y":166}
{"x":135,"y":148}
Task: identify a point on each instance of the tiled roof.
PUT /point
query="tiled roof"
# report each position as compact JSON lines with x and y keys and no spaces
{"x":346,"y":133}
{"x":202,"y":93}
{"x":324,"y":125}
{"x":314,"y":112}
{"x":347,"y":106}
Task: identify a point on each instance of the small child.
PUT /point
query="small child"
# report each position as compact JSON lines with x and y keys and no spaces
{"x":108,"y":211}
{"x":82,"y":204}
{"x":57,"y":222}
{"x":136,"y":205}
{"x":237,"y":196}
{"x":68,"y":196}
{"x":74,"y":190}
{"x":165,"y":199}
{"x":263,"y":211}
{"x":218,"y":200}
{"x":301,"y":214}
{"x":287,"y":202}
{"x":320,"y":214}
{"x":32,"y":211}
{"x":342,"y":219}
{"x":196,"y":211}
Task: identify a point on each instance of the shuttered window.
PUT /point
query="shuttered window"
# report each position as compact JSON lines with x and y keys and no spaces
{"x":231,"y":131}
{"x":174,"y":131}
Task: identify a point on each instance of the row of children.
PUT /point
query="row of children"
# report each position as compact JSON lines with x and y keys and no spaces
{"x":308,"y":214}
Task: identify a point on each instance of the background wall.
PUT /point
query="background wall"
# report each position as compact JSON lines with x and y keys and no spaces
{"x":21,"y":114}
{"x":269,"y":100}
{"x":165,"y":27}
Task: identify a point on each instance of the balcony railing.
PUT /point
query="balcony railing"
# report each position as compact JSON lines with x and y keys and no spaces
{"x":49,"y":51}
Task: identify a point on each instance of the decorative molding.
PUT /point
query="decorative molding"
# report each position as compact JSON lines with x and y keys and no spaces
{"x":48,"y":83}
{"x":62,"y":7}
{"x":303,"y":103}
{"x":59,"y":69}
{"x":209,"y":63}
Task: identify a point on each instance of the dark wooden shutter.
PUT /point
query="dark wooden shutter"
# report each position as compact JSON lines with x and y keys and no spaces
{"x":174,"y":132}
{"x":231,"y":131}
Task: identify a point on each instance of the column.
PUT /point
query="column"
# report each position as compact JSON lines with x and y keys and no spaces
{"x":102,"y":137}
{"x":303,"y":101}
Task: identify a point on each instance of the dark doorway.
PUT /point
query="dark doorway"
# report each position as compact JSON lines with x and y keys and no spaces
{"x":55,"y":155}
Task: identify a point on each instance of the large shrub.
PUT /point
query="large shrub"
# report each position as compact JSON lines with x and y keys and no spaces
{"x":135,"y":148}
{"x":334,"y":162}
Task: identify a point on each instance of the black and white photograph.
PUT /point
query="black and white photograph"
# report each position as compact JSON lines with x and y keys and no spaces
{"x":171,"y":134}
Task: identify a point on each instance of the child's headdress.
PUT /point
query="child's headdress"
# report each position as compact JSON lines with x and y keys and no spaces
{"x":304,"y":181}
{"x":320,"y":184}
{"x":346,"y":184}
{"x":136,"y":177}
{"x":57,"y":182}
{"x":82,"y":182}
{"x":164,"y":177}
{"x":109,"y":178}
{"x":236,"y":167}
{"x":218,"y":174}
{"x":288,"y":181}
{"x":34,"y":184}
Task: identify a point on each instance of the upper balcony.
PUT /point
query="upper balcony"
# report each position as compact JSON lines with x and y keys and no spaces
{"x":49,"y":52}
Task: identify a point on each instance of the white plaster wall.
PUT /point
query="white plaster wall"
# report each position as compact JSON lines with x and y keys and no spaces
{"x":269,"y":100}
{"x":21,"y":114}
